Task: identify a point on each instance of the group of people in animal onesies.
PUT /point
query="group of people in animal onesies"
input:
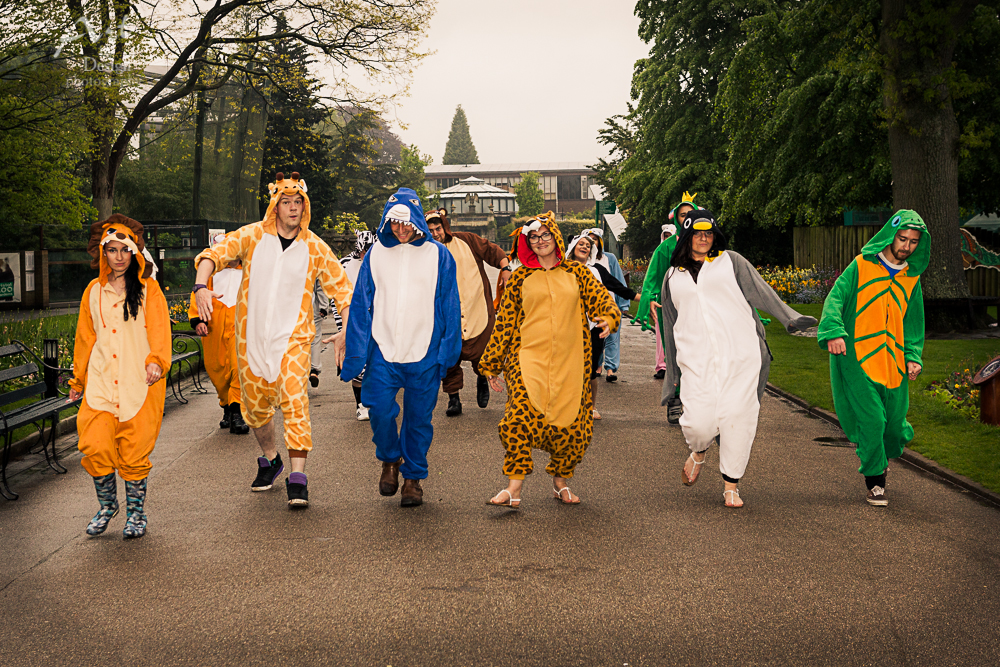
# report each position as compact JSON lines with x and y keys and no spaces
{"x":423,"y":304}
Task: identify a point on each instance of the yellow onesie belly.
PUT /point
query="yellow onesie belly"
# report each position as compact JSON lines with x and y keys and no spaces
{"x":475,"y":317}
{"x":878,"y":327}
{"x":551,"y":355}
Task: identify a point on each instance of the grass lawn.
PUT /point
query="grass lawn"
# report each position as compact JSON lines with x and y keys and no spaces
{"x":943,"y":434}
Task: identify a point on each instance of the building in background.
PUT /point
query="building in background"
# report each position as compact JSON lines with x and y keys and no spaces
{"x":475,"y":206}
{"x":566,"y":185}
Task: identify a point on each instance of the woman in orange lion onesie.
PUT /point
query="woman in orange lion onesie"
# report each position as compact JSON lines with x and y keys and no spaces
{"x":122,"y":353}
{"x":218,"y":338}
{"x":541,"y":345}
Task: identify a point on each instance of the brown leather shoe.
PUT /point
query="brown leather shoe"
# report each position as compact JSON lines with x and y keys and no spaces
{"x":412,"y":494}
{"x":388,"y":483}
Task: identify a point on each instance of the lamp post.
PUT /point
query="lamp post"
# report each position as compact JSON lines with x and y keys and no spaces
{"x":50,"y":356}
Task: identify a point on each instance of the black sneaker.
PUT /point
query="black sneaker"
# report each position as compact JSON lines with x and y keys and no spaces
{"x":267,"y":471}
{"x":876,"y":497}
{"x":236,"y":423}
{"x":314,"y":377}
{"x":658,"y":375}
{"x":454,"y":406}
{"x":674,"y":410}
{"x":611,"y":377}
{"x":225,"y":417}
{"x":298,"y":494}
{"x":482,"y":391}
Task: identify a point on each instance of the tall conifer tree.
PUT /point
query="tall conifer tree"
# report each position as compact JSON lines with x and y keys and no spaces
{"x":459,"y":149}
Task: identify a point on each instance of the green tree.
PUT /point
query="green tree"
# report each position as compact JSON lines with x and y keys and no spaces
{"x":292,"y":142}
{"x":460,"y":149}
{"x":529,"y":197}
{"x":361,"y":183}
{"x":411,"y":171}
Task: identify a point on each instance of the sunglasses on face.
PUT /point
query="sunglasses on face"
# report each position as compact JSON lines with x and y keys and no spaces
{"x":535,"y":238}
{"x":704,"y":235}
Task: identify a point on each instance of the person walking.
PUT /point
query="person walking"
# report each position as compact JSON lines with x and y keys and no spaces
{"x":873,"y":328}
{"x":120,"y":357}
{"x":715,"y":340}
{"x":540,"y":348}
{"x":471,"y":253}
{"x":282,"y":260}
{"x":406,"y":333}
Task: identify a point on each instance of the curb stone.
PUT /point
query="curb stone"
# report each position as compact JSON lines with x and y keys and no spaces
{"x":909,"y":456}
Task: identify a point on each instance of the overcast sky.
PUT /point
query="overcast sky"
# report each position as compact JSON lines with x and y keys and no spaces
{"x":536,"y":78}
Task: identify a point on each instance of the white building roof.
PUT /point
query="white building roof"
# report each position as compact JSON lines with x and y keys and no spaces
{"x":475,"y":186}
{"x":504,"y":168}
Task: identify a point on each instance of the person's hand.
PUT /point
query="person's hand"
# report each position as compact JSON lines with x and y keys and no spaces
{"x":496,"y":383}
{"x":201,"y":329}
{"x":323,"y":312}
{"x":604,"y":326}
{"x":836,"y":346}
{"x":153,"y":373}
{"x":74,"y":395}
{"x":504,"y":277}
{"x":913,"y":369}
{"x":339,"y":346}
{"x":653,"y":305}
{"x":203,"y":301}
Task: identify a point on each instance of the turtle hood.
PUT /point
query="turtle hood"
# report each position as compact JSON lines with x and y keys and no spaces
{"x":903,"y":219}
{"x":686,"y":198}
{"x":403,"y":207}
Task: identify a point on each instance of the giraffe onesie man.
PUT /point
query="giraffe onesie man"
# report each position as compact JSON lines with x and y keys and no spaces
{"x":281,"y":257}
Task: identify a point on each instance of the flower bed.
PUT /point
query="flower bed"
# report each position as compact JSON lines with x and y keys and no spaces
{"x":795,"y":285}
{"x":957,"y":391}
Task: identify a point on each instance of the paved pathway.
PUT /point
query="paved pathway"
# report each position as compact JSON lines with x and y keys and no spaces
{"x":645,"y":572}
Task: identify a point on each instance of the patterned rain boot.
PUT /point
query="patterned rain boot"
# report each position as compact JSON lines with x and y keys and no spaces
{"x":135,"y":496}
{"x":107,"y":495}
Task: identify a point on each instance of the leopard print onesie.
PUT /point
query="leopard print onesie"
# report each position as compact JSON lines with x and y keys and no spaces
{"x":541,"y":345}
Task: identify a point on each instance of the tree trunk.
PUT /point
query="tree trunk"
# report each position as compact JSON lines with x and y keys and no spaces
{"x":923,"y":131}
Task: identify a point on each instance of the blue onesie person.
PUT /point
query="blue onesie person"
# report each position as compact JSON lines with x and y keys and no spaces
{"x":406,"y":326}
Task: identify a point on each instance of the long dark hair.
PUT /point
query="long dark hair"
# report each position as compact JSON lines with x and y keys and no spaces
{"x":133,"y":289}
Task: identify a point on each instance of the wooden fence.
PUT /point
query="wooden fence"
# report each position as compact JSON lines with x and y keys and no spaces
{"x":829,"y":246}
{"x":837,"y":246}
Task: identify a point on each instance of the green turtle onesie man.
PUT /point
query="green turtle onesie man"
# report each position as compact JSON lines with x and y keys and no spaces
{"x":873,"y":327}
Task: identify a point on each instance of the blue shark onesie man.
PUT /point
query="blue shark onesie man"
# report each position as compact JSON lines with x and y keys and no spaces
{"x":407,"y":328}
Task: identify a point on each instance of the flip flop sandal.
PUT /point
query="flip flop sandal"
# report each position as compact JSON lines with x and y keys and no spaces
{"x":510,"y":501}
{"x":688,"y":481}
{"x":726,"y":499}
{"x":557,"y":494}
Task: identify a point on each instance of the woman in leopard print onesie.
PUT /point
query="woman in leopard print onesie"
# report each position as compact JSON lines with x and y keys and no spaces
{"x":541,"y":345}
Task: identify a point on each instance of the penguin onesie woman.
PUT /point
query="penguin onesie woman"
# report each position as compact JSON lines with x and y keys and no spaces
{"x":405,"y":333}
{"x":715,"y":339}
{"x":541,"y":345}
{"x":121,"y":355}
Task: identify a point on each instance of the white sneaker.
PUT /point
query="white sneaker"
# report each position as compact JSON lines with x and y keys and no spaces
{"x":362,"y":413}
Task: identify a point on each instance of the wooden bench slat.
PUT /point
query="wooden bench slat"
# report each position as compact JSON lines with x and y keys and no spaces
{"x":7,"y":350}
{"x":17,"y":371}
{"x":36,"y":411}
{"x":22,"y":393}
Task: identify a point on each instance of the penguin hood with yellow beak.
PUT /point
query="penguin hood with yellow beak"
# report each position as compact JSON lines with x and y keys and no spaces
{"x":286,"y":186}
{"x":699,"y":220}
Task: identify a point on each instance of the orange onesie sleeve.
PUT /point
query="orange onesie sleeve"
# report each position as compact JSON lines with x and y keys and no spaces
{"x":86,"y":337}
{"x":157,"y":326}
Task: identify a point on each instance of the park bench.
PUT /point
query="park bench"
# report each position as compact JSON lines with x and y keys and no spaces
{"x":23,"y":379}
{"x":186,"y":353}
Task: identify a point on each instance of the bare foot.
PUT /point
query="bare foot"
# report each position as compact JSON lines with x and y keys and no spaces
{"x":562,"y":493}
{"x":597,"y":415}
